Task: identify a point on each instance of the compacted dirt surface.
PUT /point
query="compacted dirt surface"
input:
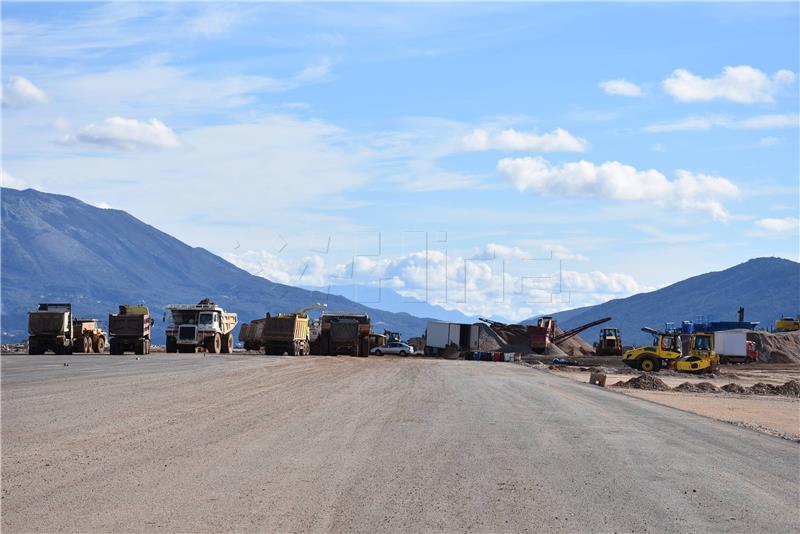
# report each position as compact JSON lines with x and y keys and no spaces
{"x":254,"y":443}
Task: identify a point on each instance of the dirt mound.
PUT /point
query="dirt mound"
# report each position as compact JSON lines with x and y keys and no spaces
{"x":644,"y":382}
{"x":735,"y":388}
{"x":790,"y":388}
{"x":778,"y":347}
{"x":575,"y":346}
{"x":697,"y":387}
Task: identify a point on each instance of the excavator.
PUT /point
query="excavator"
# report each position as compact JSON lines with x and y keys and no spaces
{"x":667,"y":352}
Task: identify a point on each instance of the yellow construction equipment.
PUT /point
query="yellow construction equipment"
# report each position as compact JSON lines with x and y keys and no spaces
{"x":787,"y":324}
{"x":666,"y":352}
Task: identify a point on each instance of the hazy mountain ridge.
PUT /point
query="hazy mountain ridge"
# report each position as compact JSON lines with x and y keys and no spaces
{"x":766,"y":287}
{"x":56,"y":248}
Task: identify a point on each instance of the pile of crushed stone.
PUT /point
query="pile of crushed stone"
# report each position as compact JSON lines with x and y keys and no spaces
{"x":644,"y":382}
{"x":788,"y":389}
{"x":698,"y":387}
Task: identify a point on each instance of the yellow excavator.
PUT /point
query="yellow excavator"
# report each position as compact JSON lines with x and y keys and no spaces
{"x":667,"y":352}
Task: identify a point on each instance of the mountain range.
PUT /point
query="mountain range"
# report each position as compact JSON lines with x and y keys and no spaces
{"x":56,"y":248}
{"x":766,"y":287}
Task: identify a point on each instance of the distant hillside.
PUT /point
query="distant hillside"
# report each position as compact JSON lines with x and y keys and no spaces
{"x":58,"y":249}
{"x":766,"y":287}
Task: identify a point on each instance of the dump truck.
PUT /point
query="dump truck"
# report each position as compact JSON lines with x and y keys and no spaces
{"x":130,"y":330}
{"x":87,"y":336}
{"x":250,"y":334}
{"x":50,"y":328}
{"x":345,"y":333}
{"x":609,"y":343}
{"x":286,"y":333}
{"x":203,"y":325}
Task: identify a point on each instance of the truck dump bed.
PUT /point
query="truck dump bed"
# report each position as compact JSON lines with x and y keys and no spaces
{"x":227,"y":322}
{"x":129,"y":325}
{"x":285,"y":328}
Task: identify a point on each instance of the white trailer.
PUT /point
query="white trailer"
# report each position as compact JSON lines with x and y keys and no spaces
{"x":732,"y":345}
{"x":437,"y":335}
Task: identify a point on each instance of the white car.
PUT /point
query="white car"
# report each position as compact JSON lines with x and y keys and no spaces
{"x":401,"y":349}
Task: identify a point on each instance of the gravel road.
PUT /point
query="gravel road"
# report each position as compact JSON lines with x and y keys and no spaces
{"x":255,"y":443}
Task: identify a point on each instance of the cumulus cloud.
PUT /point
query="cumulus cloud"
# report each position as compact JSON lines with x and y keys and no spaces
{"x":7,"y":180}
{"x":559,"y":140}
{"x":618,"y":181}
{"x":620,"y":87}
{"x":125,"y":134}
{"x":786,"y":224}
{"x":759,"y":122}
{"x":743,"y":84}
{"x":20,"y":92}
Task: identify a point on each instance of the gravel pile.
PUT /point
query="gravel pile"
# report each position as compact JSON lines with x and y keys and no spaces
{"x":644,"y":382}
{"x":697,"y":387}
{"x":735,"y":388}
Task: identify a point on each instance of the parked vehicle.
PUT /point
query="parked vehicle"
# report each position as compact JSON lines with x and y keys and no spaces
{"x":344,"y":333}
{"x":399,"y":349}
{"x":203,"y":325}
{"x":788,"y":324}
{"x":610,"y":342}
{"x":130,"y":330}
{"x":50,"y":328}
{"x":87,"y":336}
{"x":286,"y":333}
{"x":250,"y":334}
{"x":732,"y":346}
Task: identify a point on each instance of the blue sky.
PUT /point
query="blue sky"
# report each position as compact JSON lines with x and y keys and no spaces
{"x":502,"y":160}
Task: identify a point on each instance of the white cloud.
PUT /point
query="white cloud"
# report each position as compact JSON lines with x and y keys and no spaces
{"x":743,"y":84}
{"x":786,"y":224}
{"x":7,"y":180}
{"x":215,"y":21}
{"x":559,"y":140}
{"x":768,"y":141}
{"x":758,"y":122}
{"x":620,"y":87}
{"x":20,"y":92}
{"x":617,"y":181}
{"x":125,"y":134}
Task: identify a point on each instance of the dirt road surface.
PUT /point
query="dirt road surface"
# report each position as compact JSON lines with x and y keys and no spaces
{"x":254,"y":443}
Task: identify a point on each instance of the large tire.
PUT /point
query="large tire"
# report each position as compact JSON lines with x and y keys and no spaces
{"x":33,"y":346}
{"x":306,"y":348}
{"x":147,"y":346}
{"x":227,"y":343}
{"x":114,"y":348}
{"x":214,"y":344}
{"x":172,"y":344}
{"x":139,"y":347}
{"x":99,"y":344}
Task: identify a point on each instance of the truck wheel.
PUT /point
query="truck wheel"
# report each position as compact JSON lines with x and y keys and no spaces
{"x":227,"y":343}
{"x":139,"y":347}
{"x":33,"y":347}
{"x":113,"y":347}
{"x":172,"y":344}
{"x":214,"y":344}
{"x":99,"y":344}
{"x":306,"y":348}
{"x":147,"y":346}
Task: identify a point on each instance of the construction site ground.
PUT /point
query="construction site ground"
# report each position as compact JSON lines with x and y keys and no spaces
{"x":776,"y":415}
{"x":246,"y":442}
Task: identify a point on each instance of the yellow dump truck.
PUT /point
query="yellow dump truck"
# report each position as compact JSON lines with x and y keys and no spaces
{"x":87,"y":336}
{"x":286,"y":333}
{"x":250,"y":334}
{"x":130,"y":330}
